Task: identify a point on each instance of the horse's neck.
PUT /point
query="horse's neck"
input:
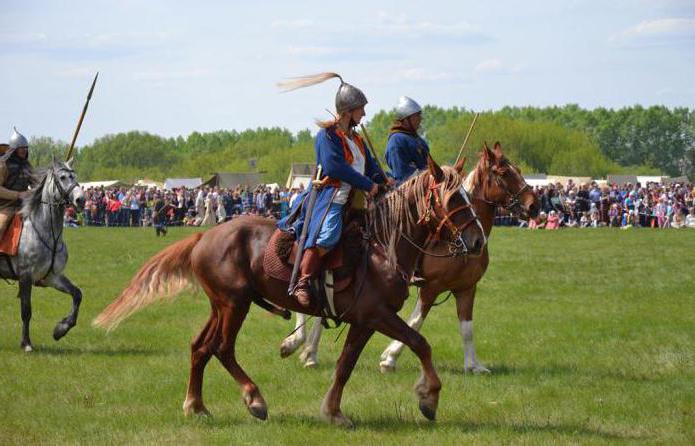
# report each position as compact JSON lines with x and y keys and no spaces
{"x":47,"y":214}
{"x":484,"y":210}
{"x":407,"y":254}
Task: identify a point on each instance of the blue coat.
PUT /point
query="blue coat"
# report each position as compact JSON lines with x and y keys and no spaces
{"x":405,"y":154}
{"x":330,"y":155}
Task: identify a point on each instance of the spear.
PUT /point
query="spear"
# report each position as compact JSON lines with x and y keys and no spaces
{"x":79,"y":123}
{"x":465,"y":140}
{"x":373,"y":150}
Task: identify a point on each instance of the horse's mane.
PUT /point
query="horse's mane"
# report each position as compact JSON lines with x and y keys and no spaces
{"x":392,"y":214}
{"x":39,"y":177}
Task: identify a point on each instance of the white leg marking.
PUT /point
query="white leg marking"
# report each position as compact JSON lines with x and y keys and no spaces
{"x":471,"y":364}
{"x":310,"y":355}
{"x":292,"y":342}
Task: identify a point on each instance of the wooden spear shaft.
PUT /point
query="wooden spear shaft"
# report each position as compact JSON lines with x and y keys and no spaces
{"x":465,"y":140}
{"x":79,"y":123}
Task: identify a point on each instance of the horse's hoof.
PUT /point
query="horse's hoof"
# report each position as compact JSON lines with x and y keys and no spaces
{"x":387,"y":367}
{"x":339,"y":420}
{"x":288,"y":347}
{"x":310,"y":364}
{"x":429,"y":412}
{"x":28,"y":348}
{"x":259,"y":410}
{"x":198,"y":409}
{"x":477,"y":369}
{"x":61,"y":330}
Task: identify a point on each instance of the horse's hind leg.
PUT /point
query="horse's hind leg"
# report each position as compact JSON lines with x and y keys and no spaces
{"x":232,"y":315}
{"x":428,"y":386}
{"x":201,"y":351}
{"x":62,"y":283}
{"x":356,"y":340}
{"x":292,"y":342}
{"x":310,"y":353}
{"x":25,"y":284}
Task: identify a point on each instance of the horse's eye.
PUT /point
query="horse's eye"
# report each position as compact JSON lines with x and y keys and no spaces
{"x":62,"y":177}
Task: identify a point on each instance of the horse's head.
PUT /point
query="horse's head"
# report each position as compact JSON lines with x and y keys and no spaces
{"x":501,"y":183}
{"x":450,"y":215}
{"x":65,"y":189}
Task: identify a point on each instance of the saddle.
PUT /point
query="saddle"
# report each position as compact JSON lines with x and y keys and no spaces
{"x":337,"y":270}
{"x":9,"y":244}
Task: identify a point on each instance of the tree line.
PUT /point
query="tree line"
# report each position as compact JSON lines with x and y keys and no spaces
{"x":565,"y":140}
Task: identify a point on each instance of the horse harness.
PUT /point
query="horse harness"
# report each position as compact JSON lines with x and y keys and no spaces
{"x":63,"y":201}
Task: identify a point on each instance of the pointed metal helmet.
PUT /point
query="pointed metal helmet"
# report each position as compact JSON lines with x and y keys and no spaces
{"x":18,"y":140}
{"x":349,"y":98}
{"x":406,"y":107}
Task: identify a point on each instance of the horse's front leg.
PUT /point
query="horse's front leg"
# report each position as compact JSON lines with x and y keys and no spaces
{"x":62,"y":283}
{"x":292,"y":342}
{"x":415,"y":321}
{"x":464,"y":308}
{"x":354,"y":343}
{"x":25,"y":284}
{"x":428,"y":386}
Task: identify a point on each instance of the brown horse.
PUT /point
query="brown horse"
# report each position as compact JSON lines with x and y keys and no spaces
{"x":493,"y":183}
{"x":227,"y":262}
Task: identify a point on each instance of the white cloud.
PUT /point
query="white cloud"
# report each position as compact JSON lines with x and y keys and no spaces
{"x":422,"y":75}
{"x":400,"y":25}
{"x":76,"y":73}
{"x":292,"y":24}
{"x":159,"y":76}
{"x":489,"y":66}
{"x":657,"y":31}
{"x":22,"y":38}
{"x":314,"y":50}
{"x":128,"y":39}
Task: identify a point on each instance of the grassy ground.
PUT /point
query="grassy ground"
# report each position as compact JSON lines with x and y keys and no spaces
{"x":590,"y":335}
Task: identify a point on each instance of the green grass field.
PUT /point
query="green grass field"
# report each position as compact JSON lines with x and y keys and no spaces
{"x":590,"y":335}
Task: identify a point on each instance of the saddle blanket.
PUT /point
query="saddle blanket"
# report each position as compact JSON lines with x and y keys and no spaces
{"x":9,"y":244}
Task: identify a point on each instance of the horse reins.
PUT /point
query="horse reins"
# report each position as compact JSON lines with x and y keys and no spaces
{"x":64,"y":194}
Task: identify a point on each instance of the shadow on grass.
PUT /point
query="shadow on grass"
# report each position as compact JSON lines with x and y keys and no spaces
{"x":400,"y":426}
{"x":54,"y":350}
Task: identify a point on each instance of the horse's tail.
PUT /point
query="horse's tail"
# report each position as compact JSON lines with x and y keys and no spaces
{"x":163,"y":276}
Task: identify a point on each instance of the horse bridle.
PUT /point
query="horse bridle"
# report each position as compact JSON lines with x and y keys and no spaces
{"x":64,"y":193}
{"x":513,"y":202}
{"x":456,"y":244}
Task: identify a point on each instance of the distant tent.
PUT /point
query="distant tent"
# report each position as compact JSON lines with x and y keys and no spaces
{"x":644,"y":179}
{"x":536,"y":179}
{"x":300,"y":174}
{"x":149,"y":183}
{"x":231,"y":180}
{"x":565,"y":179}
{"x":679,"y":180}
{"x":107,"y":183}
{"x":190,"y":183}
{"x":621,"y":180}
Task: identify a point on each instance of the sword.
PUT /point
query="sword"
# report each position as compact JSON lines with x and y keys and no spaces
{"x":315,"y":185}
{"x":79,"y":123}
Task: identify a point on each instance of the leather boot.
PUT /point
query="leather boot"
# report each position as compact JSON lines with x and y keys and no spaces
{"x":311,"y":262}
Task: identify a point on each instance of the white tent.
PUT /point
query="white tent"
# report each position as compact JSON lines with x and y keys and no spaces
{"x":190,"y":183}
{"x":96,"y":184}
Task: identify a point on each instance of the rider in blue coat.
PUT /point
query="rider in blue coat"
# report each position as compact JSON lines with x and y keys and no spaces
{"x":348,"y":169}
{"x":406,"y":151}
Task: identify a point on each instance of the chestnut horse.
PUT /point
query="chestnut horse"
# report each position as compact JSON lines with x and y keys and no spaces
{"x":493,"y":183}
{"x":227,"y":262}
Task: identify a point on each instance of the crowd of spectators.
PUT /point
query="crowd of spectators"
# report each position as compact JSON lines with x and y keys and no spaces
{"x":592,"y":205}
{"x":202,"y":206}
{"x":571,"y":205}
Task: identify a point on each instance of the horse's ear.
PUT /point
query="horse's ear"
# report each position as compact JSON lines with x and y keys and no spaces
{"x":434,"y":169}
{"x":498,"y":150}
{"x":68,"y":163}
{"x":459,"y":165}
{"x":487,"y":153}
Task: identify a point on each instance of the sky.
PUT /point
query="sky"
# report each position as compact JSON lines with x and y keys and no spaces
{"x":174,"y":67}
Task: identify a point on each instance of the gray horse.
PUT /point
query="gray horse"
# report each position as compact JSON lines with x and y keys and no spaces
{"x":42,"y":253}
